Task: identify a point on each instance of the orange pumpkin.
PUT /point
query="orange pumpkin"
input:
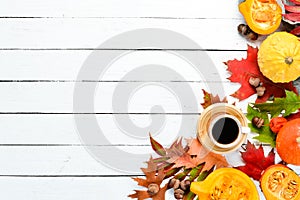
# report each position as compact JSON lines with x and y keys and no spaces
{"x":226,"y":183}
{"x":278,"y":182}
{"x":288,"y":142}
{"x":263,"y":17}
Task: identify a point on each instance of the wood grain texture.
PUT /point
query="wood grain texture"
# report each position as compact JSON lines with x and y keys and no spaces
{"x":56,"y":97}
{"x":70,"y":188}
{"x":115,"y":8}
{"x":55,"y":129}
{"x":64,"y":65}
{"x":43,"y":46}
{"x":89,"y":33}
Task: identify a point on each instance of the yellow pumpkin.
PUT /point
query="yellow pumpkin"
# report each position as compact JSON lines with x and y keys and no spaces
{"x":226,"y":183}
{"x":263,"y":17}
{"x":279,"y":57}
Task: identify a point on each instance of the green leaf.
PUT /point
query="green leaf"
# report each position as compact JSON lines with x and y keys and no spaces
{"x":172,"y":172}
{"x":288,"y":104}
{"x":267,"y":138}
{"x":183,"y":174}
{"x":189,"y":196}
{"x":265,"y":133}
{"x":158,"y":148}
{"x":196,"y":171}
{"x":204,"y":174}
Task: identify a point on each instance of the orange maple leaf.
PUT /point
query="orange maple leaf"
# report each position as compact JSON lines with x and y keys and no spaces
{"x":192,"y":155}
{"x":153,"y":175}
{"x":202,"y":155}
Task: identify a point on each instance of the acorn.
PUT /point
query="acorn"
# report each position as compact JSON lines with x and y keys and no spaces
{"x":153,"y":189}
{"x":258,"y":122}
{"x":174,"y":183}
{"x":260,"y":91}
{"x":185,"y":185}
{"x":178,"y":193}
{"x":245,"y":30}
{"x":254,"y":81}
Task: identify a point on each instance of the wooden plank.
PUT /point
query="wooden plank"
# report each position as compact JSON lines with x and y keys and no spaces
{"x":72,"y":188}
{"x":117,"y":8}
{"x":53,"y":129}
{"x":67,"y":188}
{"x":77,"y":161}
{"x":58,"y":33}
{"x":72,"y":160}
{"x":65,"y":65}
{"x":110,"y":97}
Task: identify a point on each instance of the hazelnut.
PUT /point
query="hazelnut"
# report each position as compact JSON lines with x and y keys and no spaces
{"x":258,"y":122}
{"x":260,"y":91}
{"x":153,"y":189}
{"x":255,"y":82}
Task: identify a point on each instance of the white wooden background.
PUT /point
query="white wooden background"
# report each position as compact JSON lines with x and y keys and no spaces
{"x":43,"y":45}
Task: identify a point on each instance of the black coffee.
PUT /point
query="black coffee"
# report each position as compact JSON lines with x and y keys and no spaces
{"x":225,"y":130}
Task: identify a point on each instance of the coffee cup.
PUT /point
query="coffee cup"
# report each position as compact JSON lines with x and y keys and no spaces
{"x":222,"y":128}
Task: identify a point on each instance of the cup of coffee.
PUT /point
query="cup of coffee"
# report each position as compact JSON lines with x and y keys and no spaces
{"x":222,"y":128}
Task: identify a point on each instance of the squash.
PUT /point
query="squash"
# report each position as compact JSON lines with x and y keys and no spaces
{"x":226,"y":183}
{"x":278,"y":182}
{"x":262,"y":16}
{"x":288,"y":142}
{"x":279,"y":57}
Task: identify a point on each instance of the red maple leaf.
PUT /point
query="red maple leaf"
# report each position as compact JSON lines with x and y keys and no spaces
{"x":242,"y":70}
{"x":255,"y":161}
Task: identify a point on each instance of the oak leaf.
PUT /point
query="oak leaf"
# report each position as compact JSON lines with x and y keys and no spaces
{"x":243,"y":70}
{"x":210,"y":99}
{"x":190,"y":156}
{"x":154,"y":175}
{"x":255,"y":160}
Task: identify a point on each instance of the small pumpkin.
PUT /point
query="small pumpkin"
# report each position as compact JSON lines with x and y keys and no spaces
{"x":288,"y":142}
{"x":279,"y":57}
{"x":280,"y":183}
{"x":226,"y":183}
{"x":263,"y":17}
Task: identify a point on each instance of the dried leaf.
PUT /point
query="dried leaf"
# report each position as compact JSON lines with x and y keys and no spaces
{"x":255,"y":161}
{"x":141,"y":195}
{"x":153,"y":175}
{"x":209,"y":99}
{"x":201,"y":155}
{"x":242,"y":70}
{"x":158,"y":148}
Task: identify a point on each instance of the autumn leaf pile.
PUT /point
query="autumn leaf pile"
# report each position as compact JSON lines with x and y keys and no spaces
{"x":192,"y":161}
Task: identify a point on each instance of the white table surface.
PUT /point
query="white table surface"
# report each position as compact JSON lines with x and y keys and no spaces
{"x":44,"y":44}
